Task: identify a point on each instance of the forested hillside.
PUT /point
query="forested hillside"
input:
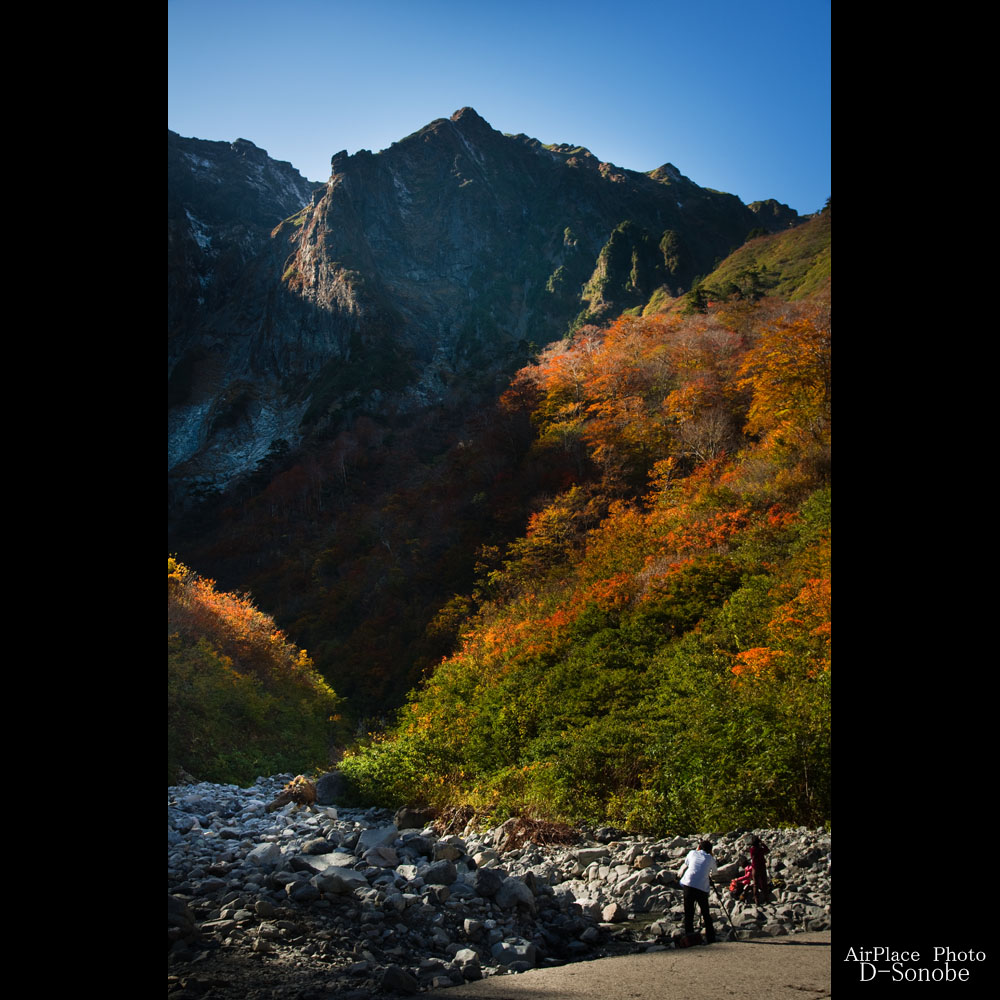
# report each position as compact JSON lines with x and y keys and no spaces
{"x":654,"y":651}
{"x":604,"y":597}
{"x":241,"y":699}
{"x":793,"y":264}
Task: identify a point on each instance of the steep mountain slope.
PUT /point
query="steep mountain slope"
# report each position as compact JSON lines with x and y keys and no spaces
{"x":794,"y":263}
{"x":436,"y":263}
{"x":223,"y":200}
{"x":354,"y":360}
{"x":655,"y":656}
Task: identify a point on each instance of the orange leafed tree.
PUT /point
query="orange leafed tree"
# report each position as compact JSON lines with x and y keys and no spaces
{"x":788,"y":373}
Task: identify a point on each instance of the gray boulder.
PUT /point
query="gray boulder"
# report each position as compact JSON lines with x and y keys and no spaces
{"x":587,"y":855}
{"x":463,"y":891}
{"x":301,"y":892}
{"x":318,"y":845}
{"x":414,"y":817}
{"x":415,"y":845}
{"x":467,"y":962}
{"x":339,"y":881}
{"x":376,"y":837}
{"x":516,"y":950}
{"x":726,"y":873}
{"x":488,"y":882}
{"x":439,"y":873}
{"x":336,"y":859}
{"x":513,"y":892}
{"x":331,"y":789}
{"x":398,"y":980}
{"x":447,"y":852}
{"x":265,"y":855}
{"x":382,"y":856}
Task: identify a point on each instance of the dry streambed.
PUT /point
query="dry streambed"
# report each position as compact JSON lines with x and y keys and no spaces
{"x":314,"y":900}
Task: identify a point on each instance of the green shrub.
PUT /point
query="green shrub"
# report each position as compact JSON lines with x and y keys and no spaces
{"x":241,"y":700}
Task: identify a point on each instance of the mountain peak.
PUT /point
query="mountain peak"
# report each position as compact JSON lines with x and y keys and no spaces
{"x":467,"y":115}
{"x":409,"y":269}
{"x":249,"y":150}
{"x":667,"y":172}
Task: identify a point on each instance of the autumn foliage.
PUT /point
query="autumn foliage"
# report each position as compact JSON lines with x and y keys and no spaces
{"x":608,"y":595}
{"x":654,"y":650}
{"x":241,"y":699}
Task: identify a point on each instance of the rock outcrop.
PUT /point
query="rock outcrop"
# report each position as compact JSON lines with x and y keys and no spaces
{"x":223,"y":201}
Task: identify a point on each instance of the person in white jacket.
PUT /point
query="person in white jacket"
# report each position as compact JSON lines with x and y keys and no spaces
{"x":696,"y":873}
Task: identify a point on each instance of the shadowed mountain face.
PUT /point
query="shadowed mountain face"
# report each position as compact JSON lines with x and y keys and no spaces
{"x":426,"y":270}
{"x":223,"y":200}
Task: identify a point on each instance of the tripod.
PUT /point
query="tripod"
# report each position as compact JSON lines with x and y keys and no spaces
{"x":722,"y":906}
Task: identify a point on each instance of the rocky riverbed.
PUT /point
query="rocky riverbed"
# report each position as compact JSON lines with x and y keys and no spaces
{"x":316,"y":901}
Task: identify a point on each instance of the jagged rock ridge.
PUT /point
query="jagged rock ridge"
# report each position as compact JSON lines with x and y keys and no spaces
{"x":431,"y":267}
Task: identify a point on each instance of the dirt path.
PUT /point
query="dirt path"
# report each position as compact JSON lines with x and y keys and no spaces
{"x":796,"y":967}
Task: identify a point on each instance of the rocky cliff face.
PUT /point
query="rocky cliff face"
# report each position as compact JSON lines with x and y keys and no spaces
{"x":223,"y":200}
{"x":774,"y":216}
{"x":429,"y":267}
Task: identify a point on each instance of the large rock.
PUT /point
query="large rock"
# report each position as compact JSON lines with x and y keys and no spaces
{"x":488,"y":882}
{"x":447,"y":852}
{"x":587,"y":855}
{"x":726,"y":873}
{"x":590,"y":907}
{"x":414,"y":817}
{"x":197,"y":803}
{"x":468,"y":962}
{"x":376,"y":837}
{"x":318,"y":845}
{"x":265,"y":855}
{"x":398,"y":980}
{"x":302,"y":892}
{"x":336,"y":859}
{"x":414,"y":845}
{"x":439,"y":873}
{"x":339,"y":881}
{"x":383,"y":856}
{"x":517,"y":950}
{"x":513,"y":892}
{"x":331,"y":789}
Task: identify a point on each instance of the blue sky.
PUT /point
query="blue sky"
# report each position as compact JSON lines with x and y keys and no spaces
{"x":735,"y":94}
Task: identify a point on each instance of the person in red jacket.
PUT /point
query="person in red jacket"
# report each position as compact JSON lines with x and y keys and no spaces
{"x":758,"y":852}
